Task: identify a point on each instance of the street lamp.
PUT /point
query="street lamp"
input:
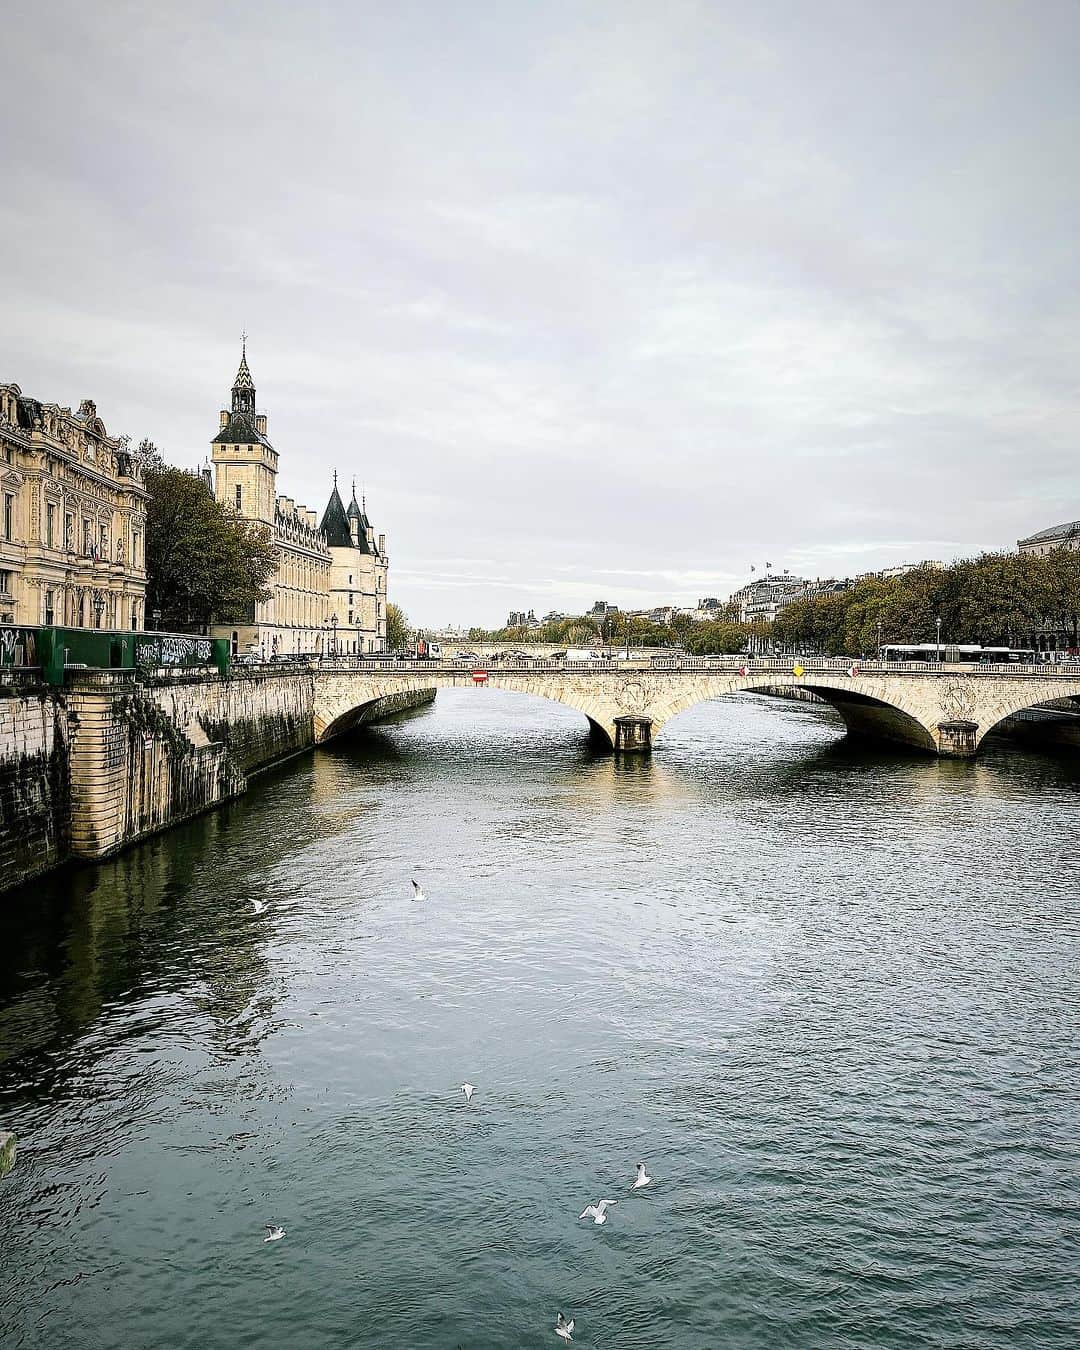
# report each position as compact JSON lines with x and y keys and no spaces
{"x":157,"y":620}
{"x":879,"y":642}
{"x":628,"y":636}
{"x":333,"y":623}
{"x":939,"y":639}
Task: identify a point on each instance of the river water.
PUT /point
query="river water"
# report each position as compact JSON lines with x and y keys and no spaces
{"x":828,"y":995}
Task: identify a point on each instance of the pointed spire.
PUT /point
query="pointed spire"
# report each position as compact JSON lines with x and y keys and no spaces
{"x":335,"y":524}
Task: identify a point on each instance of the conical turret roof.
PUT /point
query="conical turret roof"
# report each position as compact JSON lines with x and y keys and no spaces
{"x":335,"y":523}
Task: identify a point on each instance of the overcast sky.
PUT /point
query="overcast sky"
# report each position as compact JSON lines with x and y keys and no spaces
{"x":595,"y":300}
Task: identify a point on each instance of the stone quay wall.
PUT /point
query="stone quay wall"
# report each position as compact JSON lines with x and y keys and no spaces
{"x":34,"y":807}
{"x":88,"y":770}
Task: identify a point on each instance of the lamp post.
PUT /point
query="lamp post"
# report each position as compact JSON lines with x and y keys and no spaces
{"x":333,"y":624}
{"x":939,"y":639}
{"x":157,"y":620}
{"x":879,"y":642}
{"x":628,"y":637}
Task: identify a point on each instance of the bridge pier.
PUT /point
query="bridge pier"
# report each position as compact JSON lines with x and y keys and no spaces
{"x":633,"y":735}
{"x":957,"y":739}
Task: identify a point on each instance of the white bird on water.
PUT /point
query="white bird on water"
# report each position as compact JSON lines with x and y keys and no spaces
{"x":597,"y":1212}
{"x":563,"y":1328}
{"x":642,"y":1178}
{"x":418,"y":891}
{"x":274,"y":1233}
{"x":468,"y":1090}
{"x":258,"y":906}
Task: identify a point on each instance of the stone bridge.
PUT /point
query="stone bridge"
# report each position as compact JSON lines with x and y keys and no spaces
{"x":945,"y":710}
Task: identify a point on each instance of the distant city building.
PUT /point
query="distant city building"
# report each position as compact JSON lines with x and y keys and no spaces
{"x":520,"y":618}
{"x":72,"y":518}
{"x":903,"y":568}
{"x":762,"y":600}
{"x":831,"y":586}
{"x":601,"y":609}
{"x":329,"y":590}
{"x":554,"y":616}
{"x":1056,"y":536}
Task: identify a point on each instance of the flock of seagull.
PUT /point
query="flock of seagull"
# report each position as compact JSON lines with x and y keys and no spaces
{"x":564,"y":1329}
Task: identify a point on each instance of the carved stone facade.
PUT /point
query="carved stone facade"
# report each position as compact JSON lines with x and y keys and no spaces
{"x":329,"y":590}
{"x":72,"y":518}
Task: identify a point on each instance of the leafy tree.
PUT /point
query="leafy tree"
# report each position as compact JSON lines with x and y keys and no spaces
{"x":203,"y":561}
{"x":398,"y":633}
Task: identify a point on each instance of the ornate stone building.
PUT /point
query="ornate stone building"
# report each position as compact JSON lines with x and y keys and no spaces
{"x":72,"y":518}
{"x":1056,"y":536}
{"x":358,"y":571}
{"x":329,"y":591}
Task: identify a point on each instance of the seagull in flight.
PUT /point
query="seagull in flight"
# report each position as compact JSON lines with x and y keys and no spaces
{"x":563,"y":1328}
{"x":274,"y":1232}
{"x":642,"y":1178}
{"x":418,"y":891}
{"x":258,"y":906}
{"x":597,"y":1212}
{"x":468,"y":1090}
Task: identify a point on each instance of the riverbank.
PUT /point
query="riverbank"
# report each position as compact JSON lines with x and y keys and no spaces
{"x":91,"y":769}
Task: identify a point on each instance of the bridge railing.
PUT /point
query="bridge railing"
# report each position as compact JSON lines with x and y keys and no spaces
{"x":754,"y":665}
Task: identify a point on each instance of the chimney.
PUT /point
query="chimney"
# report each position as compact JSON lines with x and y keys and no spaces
{"x":224,"y":417}
{"x":260,"y":423}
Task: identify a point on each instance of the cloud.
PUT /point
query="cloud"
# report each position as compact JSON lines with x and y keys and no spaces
{"x":618,"y":298}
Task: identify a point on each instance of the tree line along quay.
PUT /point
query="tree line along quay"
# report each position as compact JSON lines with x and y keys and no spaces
{"x":995,"y":599}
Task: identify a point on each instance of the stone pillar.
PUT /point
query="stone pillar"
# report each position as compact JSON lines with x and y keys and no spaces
{"x":98,"y":760}
{"x":633,"y":735}
{"x":956,"y":739}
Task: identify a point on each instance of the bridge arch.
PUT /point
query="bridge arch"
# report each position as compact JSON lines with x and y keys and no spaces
{"x":1023,"y":700}
{"x":865,"y":710}
{"x":344,"y":700}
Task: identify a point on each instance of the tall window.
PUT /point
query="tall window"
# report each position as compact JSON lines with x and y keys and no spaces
{"x":5,"y":581}
{"x":50,"y":616}
{"x":50,"y":525}
{"x":9,"y":515}
{"x":239,"y":496}
{"x":135,"y":538}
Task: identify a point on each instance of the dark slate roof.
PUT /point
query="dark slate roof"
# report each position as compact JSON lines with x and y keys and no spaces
{"x":243,"y":375}
{"x":239,"y":430}
{"x":354,"y":513}
{"x":1067,"y":531}
{"x":335,"y":523}
{"x":28,"y":412}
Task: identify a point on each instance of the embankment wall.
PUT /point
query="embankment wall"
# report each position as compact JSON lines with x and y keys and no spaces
{"x":105,"y":762}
